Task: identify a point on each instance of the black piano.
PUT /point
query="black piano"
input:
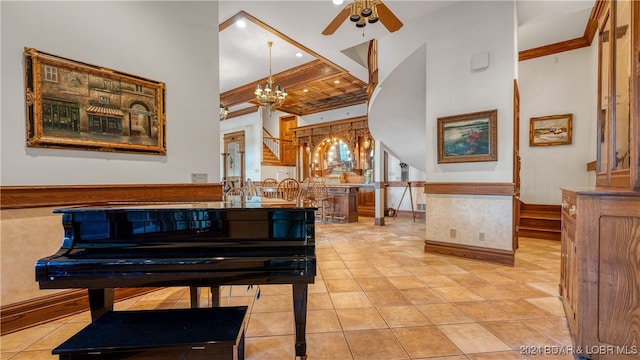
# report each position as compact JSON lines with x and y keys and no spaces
{"x":247,"y":241}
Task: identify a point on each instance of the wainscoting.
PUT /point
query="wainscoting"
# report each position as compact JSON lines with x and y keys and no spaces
{"x":23,"y":205}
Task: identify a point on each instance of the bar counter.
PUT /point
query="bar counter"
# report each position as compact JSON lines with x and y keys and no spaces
{"x":345,"y":200}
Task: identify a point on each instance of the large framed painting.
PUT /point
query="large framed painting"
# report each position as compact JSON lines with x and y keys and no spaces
{"x":468,"y":137}
{"x":74,"y":105}
{"x":550,"y":130}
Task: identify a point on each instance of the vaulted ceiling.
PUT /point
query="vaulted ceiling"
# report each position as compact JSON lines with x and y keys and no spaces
{"x":322,"y":73}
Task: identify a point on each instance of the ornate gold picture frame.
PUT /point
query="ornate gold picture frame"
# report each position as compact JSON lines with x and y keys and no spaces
{"x":74,"y":105}
{"x":550,"y":130}
{"x":468,"y":137}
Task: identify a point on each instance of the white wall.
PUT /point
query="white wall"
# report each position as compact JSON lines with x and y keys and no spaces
{"x":175,"y":42}
{"x":452,"y":36}
{"x":250,"y":124}
{"x":552,"y":85}
{"x":453,"y":88}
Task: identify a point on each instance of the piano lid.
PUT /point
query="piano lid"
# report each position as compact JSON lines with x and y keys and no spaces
{"x":232,"y":202}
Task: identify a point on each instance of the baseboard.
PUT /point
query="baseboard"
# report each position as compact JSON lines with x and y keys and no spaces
{"x":25,"y":314}
{"x":408,"y":214}
{"x":497,"y":256}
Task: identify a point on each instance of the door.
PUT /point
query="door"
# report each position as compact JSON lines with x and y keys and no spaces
{"x":287,"y":145}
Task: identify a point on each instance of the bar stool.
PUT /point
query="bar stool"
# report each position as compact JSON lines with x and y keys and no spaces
{"x":323,"y":200}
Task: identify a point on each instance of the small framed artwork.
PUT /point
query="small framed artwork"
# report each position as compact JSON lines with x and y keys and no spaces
{"x":468,"y":137}
{"x":74,"y":105}
{"x":550,"y":130}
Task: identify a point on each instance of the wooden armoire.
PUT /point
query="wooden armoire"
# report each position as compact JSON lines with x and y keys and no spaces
{"x":600,"y":272}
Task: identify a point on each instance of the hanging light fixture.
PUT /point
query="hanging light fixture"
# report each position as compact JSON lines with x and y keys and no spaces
{"x":270,"y":98}
{"x":224,"y":111}
{"x":364,"y":11}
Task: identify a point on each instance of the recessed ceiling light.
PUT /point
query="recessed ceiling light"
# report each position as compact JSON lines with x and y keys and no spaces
{"x":241,"y":24}
{"x":298,"y":54}
{"x":336,"y":81}
{"x":338,"y":2}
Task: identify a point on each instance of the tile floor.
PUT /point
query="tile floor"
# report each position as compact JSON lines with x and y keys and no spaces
{"x":378,"y":296}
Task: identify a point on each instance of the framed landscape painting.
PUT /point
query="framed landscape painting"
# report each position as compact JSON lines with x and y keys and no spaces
{"x":550,"y":130}
{"x":74,"y":105}
{"x":468,"y":137}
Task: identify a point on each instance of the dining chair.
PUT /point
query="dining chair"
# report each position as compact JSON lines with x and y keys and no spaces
{"x":234,"y":191}
{"x":303,"y":194}
{"x":250,"y":188}
{"x":268,"y":187}
{"x":288,"y":189}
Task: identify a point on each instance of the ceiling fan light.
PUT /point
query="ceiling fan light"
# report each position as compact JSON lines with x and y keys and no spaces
{"x":361,"y":24}
{"x":258,"y":90}
{"x":374,"y":15}
{"x":366,"y":12}
{"x":354,"y":18}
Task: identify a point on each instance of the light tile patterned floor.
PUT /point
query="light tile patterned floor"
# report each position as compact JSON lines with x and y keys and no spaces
{"x":379,"y":296}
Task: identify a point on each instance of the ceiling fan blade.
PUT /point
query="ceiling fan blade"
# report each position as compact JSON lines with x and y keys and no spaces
{"x":387,"y":18}
{"x":337,"y":21}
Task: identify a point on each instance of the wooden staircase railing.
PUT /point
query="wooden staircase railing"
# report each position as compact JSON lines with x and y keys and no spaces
{"x":272,"y":149}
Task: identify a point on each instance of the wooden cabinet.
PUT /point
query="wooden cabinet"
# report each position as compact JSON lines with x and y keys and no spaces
{"x":568,"y":260}
{"x":367,"y":201}
{"x":618,"y":92}
{"x":600,"y":272}
{"x":345,"y":203}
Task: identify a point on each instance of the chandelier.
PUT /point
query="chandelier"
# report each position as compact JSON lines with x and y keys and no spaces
{"x":270,"y":98}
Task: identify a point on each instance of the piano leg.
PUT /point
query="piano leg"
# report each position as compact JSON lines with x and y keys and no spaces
{"x":100,"y":302}
{"x":194,"y":294}
{"x":300,"y":314}
{"x":215,"y":296}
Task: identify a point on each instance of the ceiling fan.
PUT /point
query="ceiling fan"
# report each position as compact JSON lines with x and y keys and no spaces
{"x":362,"y":12}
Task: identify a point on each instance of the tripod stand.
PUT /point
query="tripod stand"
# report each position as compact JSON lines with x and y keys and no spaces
{"x":413,"y":213}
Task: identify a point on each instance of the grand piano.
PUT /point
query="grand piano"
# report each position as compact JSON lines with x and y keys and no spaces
{"x":248,"y":241}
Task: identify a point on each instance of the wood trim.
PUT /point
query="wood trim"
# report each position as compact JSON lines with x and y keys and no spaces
{"x":573,"y":44}
{"x":497,"y":256}
{"x":506,"y":189}
{"x":414,"y":184}
{"x":16,"y":197}
{"x":22,"y":315}
{"x":419,"y":215}
{"x":559,"y":47}
{"x":245,"y":111}
{"x":592,"y":166}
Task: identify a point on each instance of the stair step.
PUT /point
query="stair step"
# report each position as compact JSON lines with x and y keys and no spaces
{"x":531,"y":214}
{"x":542,"y":229}
{"x":539,"y":233}
{"x":540,"y":221}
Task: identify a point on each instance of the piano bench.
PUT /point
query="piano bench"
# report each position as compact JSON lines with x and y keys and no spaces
{"x":194,"y":334}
